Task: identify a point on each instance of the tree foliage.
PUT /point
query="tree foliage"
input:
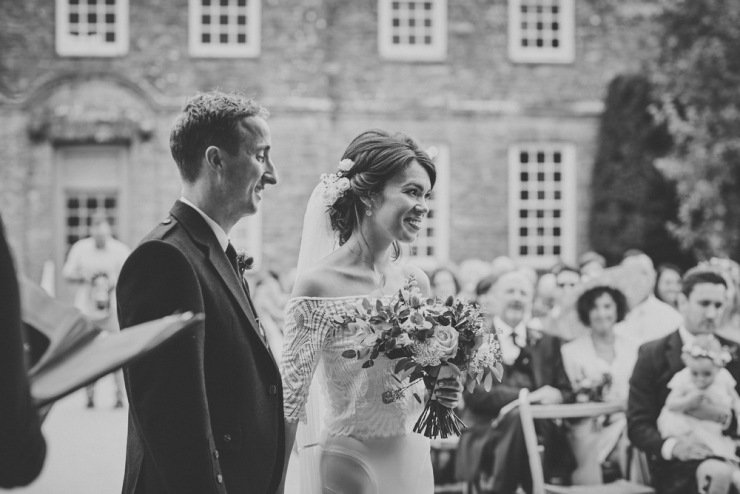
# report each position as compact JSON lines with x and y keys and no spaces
{"x":698,"y":73}
{"x":632,"y":202}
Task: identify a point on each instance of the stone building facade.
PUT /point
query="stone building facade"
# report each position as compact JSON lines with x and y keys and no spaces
{"x":514,"y":132}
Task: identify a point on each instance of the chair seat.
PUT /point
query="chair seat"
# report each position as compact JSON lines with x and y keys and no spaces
{"x":617,"y":487}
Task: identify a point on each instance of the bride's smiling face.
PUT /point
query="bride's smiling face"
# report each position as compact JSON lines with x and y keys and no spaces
{"x":400,"y":209}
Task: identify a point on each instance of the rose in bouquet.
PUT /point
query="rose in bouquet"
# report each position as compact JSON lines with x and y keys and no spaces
{"x":424,"y":335}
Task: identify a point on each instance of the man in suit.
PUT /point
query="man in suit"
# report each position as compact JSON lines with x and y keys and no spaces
{"x":22,"y":447}
{"x":674,"y":461}
{"x":206,"y":413}
{"x":495,"y":457}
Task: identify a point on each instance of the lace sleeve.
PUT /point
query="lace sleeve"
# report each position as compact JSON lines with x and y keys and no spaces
{"x":305,"y":335}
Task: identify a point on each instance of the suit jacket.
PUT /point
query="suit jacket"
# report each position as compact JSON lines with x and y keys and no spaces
{"x":539,"y":363}
{"x":22,"y":447}
{"x":657,"y":362}
{"x":206,"y":412}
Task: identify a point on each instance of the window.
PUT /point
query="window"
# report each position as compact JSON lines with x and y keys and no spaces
{"x":92,"y":27}
{"x":225,"y":28}
{"x":79,"y":211}
{"x":541,"y":31}
{"x":432,"y":245}
{"x":542,"y":203}
{"x":412,"y":29}
{"x":246,"y":235}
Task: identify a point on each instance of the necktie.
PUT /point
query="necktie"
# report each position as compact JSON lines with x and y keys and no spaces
{"x":231,"y":255}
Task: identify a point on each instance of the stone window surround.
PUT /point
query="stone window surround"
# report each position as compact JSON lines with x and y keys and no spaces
{"x":70,"y":45}
{"x":436,"y":51}
{"x":563,"y":54}
{"x":566,"y":205}
{"x":232,"y":49}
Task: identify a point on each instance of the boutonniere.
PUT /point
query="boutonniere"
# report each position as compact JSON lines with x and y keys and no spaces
{"x":535,"y":331}
{"x":244,"y":262}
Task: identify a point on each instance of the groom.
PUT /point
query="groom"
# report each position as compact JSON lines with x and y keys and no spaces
{"x":206,"y":413}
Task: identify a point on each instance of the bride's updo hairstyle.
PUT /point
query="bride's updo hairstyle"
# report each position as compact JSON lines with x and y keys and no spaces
{"x":377,"y":157}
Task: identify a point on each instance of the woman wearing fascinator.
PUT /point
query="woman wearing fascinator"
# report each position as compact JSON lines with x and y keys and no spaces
{"x":348,"y":439}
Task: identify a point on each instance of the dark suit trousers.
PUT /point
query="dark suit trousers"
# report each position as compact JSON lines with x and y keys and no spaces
{"x":674,"y":477}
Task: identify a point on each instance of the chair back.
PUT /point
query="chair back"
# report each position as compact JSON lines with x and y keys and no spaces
{"x":530,"y":442}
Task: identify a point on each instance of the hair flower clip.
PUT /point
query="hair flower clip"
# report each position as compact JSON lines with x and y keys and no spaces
{"x":346,"y":165}
{"x":244,"y":262}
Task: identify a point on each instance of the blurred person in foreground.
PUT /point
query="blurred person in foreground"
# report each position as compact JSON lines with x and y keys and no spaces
{"x":93,"y":264}
{"x":494,"y":457}
{"x":599,"y":365}
{"x":22,"y":447}
{"x":682,"y":464}
{"x":648,"y":317}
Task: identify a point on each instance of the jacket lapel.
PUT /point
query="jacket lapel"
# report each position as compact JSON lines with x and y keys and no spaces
{"x":673,"y":352}
{"x":202,"y":234}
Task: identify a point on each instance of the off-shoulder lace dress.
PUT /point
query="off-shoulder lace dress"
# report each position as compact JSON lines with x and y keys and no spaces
{"x":353,"y":395}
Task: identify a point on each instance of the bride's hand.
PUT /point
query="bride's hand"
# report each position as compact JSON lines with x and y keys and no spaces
{"x":448,"y":389}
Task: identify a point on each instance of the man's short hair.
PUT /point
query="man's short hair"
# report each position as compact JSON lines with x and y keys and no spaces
{"x":699,"y":275}
{"x":209,"y":119}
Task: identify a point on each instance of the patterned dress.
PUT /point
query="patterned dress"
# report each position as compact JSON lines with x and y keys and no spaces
{"x":375,"y":435}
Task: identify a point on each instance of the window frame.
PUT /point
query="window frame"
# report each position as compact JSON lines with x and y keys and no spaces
{"x":437,"y":51}
{"x":568,"y":202}
{"x":564,"y":54}
{"x":71,"y":46}
{"x":217,"y":50}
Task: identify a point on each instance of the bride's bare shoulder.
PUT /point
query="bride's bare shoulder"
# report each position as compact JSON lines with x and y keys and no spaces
{"x":319,"y":281}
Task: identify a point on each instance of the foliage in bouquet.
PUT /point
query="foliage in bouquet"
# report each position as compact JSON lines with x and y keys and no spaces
{"x":423,"y":335}
{"x":592,"y":390}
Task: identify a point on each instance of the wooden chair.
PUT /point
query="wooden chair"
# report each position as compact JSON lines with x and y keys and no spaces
{"x":528,"y":413}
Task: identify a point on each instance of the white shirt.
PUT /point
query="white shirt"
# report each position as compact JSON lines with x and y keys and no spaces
{"x":221,"y":236}
{"x":509,"y":349}
{"x":649,"y":320}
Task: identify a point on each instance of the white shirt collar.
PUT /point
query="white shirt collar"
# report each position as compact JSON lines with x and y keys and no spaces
{"x":221,"y":236}
{"x":686,"y":337}
{"x":520,"y":331}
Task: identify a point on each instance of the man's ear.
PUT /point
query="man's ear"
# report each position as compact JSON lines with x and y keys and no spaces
{"x":213,"y":157}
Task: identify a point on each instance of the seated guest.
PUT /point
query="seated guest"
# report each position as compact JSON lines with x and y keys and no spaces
{"x":668,"y":284}
{"x":681,"y":464}
{"x":599,"y":365}
{"x":22,"y":447}
{"x":648,"y":318}
{"x":494,"y":458}
{"x":562,"y":320}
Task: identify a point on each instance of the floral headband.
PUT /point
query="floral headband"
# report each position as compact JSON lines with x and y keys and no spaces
{"x":720,"y":358}
{"x":336,"y":184}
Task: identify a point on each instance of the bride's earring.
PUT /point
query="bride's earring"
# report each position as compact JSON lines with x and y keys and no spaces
{"x":368,"y":212}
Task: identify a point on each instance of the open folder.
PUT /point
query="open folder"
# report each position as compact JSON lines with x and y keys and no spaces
{"x":75,"y":353}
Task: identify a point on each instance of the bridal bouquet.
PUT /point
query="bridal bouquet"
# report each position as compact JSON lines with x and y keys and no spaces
{"x":424,"y":335}
{"x":592,"y":389}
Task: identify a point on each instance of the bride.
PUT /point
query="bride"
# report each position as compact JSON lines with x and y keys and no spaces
{"x":349,"y":251}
